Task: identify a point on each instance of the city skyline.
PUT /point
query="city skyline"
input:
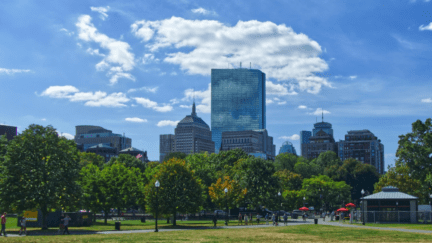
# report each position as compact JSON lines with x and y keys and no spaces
{"x":135,"y":67}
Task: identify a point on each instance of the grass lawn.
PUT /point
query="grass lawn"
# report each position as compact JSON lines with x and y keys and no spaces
{"x":402,"y":226}
{"x":125,"y":225}
{"x":300,"y":233}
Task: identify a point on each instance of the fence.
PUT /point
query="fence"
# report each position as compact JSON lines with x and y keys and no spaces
{"x":414,"y":217}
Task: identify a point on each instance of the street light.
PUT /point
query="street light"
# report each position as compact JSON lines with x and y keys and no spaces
{"x":304,"y":198}
{"x":279,"y":195}
{"x":157,"y":184}
{"x":363,"y":206}
{"x":226,"y":204}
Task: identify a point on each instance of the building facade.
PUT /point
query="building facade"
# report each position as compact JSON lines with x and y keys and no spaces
{"x":91,"y":136}
{"x":103,"y":150}
{"x":166,"y":145}
{"x":193,"y":135}
{"x":304,"y":139}
{"x":9,"y":131}
{"x":364,"y":146}
{"x":238,"y":101}
{"x":287,"y":147}
{"x":135,"y":152}
{"x":253,"y":142}
{"x":321,"y":141}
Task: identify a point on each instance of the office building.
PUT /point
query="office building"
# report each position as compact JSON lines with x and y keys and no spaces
{"x":193,"y":135}
{"x":166,"y":145}
{"x":135,"y":152}
{"x":91,"y":136}
{"x":9,"y":131}
{"x":364,"y":146}
{"x":321,"y":141}
{"x":253,"y":142}
{"x":287,"y":147}
{"x":304,"y":139}
{"x":238,"y":101}
{"x":103,"y":150}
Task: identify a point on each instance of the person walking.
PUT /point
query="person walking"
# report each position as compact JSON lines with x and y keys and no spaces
{"x":240,"y":219}
{"x":267,"y":218}
{"x":66,"y":224}
{"x":304,"y":217}
{"x":23,"y":226}
{"x":285,"y":217}
{"x":258,"y":218}
{"x":61,"y":225}
{"x":246,"y":219}
{"x":3,"y":224}
{"x":251,"y":219}
{"x":274,"y":219}
{"x":323,"y":215}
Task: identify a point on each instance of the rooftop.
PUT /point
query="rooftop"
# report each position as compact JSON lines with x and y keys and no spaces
{"x":389,"y":192}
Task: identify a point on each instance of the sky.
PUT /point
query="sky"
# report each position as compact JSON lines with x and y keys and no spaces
{"x":134,"y":67}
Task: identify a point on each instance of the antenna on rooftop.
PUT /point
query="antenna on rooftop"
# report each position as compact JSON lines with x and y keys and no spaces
{"x":322,"y":115}
{"x":240,"y":64}
{"x":250,"y":65}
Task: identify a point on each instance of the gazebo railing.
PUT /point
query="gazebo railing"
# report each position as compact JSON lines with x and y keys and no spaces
{"x":415,"y":217}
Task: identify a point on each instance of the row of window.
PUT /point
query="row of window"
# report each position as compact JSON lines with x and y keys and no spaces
{"x":237,"y":140}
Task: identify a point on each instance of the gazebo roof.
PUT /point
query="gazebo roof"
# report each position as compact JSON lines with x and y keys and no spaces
{"x":389,"y":192}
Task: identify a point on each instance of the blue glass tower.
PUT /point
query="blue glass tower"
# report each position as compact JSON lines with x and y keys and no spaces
{"x":287,"y":147}
{"x":304,"y":137}
{"x":238,"y":101}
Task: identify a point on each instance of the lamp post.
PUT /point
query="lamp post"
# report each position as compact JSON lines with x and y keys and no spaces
{"x":157,"y":184}
{"x":304,"y":199}
{"x":363,"y":206}
{"x":279,"y":196}
{"x":226,"y":204}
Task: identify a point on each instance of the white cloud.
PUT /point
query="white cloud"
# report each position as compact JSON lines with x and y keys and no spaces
{"x":135,"y":119}
{"x":149,"y":58}
{"x":186,"y":106}
{"x":167,"y":123}
{"x":278,"y":51}
{"x":174,"y":101}
{"x":428,"y":100}
{"x":282,"y":103}
{"x":119,"y":56}
{"x":269,"y":101}
{"x":352,"y":77}
{"x":64,"y":134}
{"x":173,"y":73}
{"x":302,"y":107}
{"x":43,"y":119}
{"x":205,"y":96}
{"x":13,"y":71}
{"x":67,"y":32}
{"x":94,"y":52}
{"x":277,"y":89}
{"x":97,"y":99}
{"x":427,"y":27}
{"x":293,"y":137}
{"x":153,"y":105}
{"x":146,"y":89}
{"x":319,"y":111}
{"x":203,"y":11}
{"x":102,"y":10}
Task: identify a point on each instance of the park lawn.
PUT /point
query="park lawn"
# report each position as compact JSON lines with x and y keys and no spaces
{"x":11,"y":225}
{"x":395,"y":225}
{"x":300,"y":233}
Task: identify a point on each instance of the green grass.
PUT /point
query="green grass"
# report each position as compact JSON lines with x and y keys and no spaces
{"x":301,"y":233}
{"x":396,"y":225}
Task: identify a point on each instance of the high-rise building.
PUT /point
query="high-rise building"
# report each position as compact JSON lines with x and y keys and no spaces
{"x":9,"y":131}
{"x":166,"y":145}
{"x":91,"y":136}
{"x":287,"y":147}
{"x":238,"y":101}
{"x":254,"y":142}
{"x":321,"y":140}
{"x":193,"y":135}
{"x":364,"y":146}
{"x":304,"y":139}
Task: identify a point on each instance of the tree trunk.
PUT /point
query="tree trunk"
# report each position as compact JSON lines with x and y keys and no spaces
{"x":94,"y":218}
{"x":168,"y":219}
{"x":175,"y":218}
{"x":118,"y":212}
{"x":44,"y":211}
{"x":106,"y":216}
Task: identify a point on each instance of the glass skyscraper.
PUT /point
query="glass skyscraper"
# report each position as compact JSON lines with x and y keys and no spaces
{"x":238,"y":101}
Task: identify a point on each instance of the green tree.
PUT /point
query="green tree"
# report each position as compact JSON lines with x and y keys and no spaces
{"x":257,"y":176}
{"x":285,"y":161}
{"x":401,"y":178}
{"x":90,"y":158}
{"x":180,"y":190}
{"x":327,"y":159}
{"x":289,"y":180}
{"x":129,"y":161}
{"x":151,"y":170}
{"x":232,"y":198}
{"x":178,"y":155}
{"x":306,"y":169}
{"x":3,"y":146}
{"x":40,"y":171}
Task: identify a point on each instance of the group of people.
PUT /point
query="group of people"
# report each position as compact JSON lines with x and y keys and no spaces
{"x":247,"y":218}
{"x":3,"y":225}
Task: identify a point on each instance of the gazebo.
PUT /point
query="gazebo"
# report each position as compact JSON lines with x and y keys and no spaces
{"x":390,"y":206}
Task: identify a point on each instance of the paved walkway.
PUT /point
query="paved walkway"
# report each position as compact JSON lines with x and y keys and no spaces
{"x":291,"y":223}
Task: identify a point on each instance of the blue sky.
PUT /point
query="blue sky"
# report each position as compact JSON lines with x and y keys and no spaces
{"x":134,"y":67}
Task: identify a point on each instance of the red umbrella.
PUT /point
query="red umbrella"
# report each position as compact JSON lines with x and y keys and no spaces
{"x":351,"y":205}
{"x":342,"y":210}
{"x":304,"y":209}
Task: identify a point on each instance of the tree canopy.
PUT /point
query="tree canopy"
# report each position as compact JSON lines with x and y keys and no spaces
{"x":128,"y":161}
